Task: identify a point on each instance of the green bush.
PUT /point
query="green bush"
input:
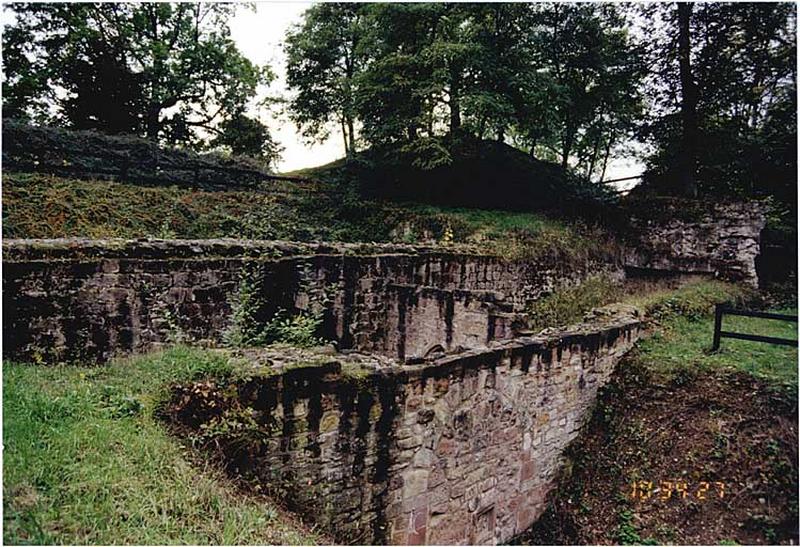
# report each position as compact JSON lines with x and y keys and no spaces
{"x":297,"y":330}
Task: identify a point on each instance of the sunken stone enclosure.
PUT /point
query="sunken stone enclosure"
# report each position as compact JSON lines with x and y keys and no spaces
{"x":88,"y":300}
{"x":457,"y":449}
{"x":436,"y":418}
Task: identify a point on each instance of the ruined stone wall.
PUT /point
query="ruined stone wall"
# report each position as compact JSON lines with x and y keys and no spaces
{"x":481,"y":434}
{"x":680,"y":236}
{"x":323,"y":441}
{"x":459,"y":449}
{"x":89,"y":299}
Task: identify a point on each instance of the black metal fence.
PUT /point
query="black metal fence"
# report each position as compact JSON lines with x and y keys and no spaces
{"x":721,"y":309}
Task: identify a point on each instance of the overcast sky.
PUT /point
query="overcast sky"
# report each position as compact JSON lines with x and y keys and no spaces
{"x":259,"y":36}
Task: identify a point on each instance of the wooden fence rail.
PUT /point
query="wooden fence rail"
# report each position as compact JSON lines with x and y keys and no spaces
{"x":722,"y":309}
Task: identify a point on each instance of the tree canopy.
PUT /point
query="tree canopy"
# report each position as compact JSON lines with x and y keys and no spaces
{"x":170,"y":72}
{"x":709,"y":88}
{"x":743,"y":75}
{"x":561,"y":80}
{"x":568,"y":82}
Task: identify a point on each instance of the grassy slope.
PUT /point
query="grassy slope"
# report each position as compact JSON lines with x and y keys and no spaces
{"x":86,"y":461}
{"x":683,"y":345}
{"x":43,"y":206}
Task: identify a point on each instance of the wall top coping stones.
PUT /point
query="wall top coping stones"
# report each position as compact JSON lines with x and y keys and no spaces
{"x":24,"y":250}
{"x":600,"y":325}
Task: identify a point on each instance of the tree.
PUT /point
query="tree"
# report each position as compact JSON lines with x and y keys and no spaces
{"x":500,"y":70}
{"x":103,"y":92}
{"x":556,"y":77}
{"x":402,"y":86}
{"x":589,"y":73}
{"x":743,"y":78}
{"x":173,"y":67}
{"x":325,"y":55}
{"x":245,"y":136}
{"x":688,"y":156}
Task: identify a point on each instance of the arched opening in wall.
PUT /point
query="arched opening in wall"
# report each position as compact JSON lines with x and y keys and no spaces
{"x":436,"y":349}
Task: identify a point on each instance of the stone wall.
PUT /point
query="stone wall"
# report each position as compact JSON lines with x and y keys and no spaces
{"x":459,"y":449}
{"x":680,"y":236}
{"x":90,"y":299}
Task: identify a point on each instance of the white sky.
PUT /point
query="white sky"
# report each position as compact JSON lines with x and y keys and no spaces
{"x":259,"y":35}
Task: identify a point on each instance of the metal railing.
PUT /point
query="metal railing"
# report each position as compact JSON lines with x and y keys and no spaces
{"x":723,"y":309}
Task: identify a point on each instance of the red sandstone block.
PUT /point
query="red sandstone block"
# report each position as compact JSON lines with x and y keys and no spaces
{"x":525,"y":517}
{"x":417,"y":529}
{"x":527,"y":471}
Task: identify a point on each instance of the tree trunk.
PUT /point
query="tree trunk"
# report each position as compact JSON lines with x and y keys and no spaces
{"x":455,"y":106}
{"x":351,"y":135}
{"x":344,"y":137}
{"x":566,"y":147}
{"x":593,"y":158}
{"x":605,"y":159}
{"x":687,"y":163}
{"x":153,"y":112}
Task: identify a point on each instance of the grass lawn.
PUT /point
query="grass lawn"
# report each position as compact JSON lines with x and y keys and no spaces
{"x":684,"y":344}
{"x":87,"y":461}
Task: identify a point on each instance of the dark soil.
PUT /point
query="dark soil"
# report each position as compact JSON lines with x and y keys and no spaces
{"x":695,"y":432}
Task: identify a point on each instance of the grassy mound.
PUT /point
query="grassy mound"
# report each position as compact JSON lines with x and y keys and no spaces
{"x":464,"y":171}
{"x":87,"y":462}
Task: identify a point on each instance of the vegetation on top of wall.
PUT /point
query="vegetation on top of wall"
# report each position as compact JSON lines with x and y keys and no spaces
{"x":569,"y":305}
{"x":86,"y":461}
{"x":658,"y":300}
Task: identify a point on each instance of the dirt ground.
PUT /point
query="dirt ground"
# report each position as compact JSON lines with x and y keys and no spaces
{"x":709,"y":458}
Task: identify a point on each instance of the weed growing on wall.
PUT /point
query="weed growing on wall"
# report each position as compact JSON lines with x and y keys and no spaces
{"x":244,"y":328}
{"x":175,"y":333}
{"x":297,"y":330}
{"x":248,"y":329}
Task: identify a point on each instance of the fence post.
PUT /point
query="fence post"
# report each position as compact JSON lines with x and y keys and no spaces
{"x":718,"y":309}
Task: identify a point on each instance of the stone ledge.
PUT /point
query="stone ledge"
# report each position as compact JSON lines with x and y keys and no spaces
{"x":601,"y":326}
{"x":19,"y":250}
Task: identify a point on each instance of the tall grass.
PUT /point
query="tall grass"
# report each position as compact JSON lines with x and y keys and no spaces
{"x":87,"y":462}
{"x":43,"y":206}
